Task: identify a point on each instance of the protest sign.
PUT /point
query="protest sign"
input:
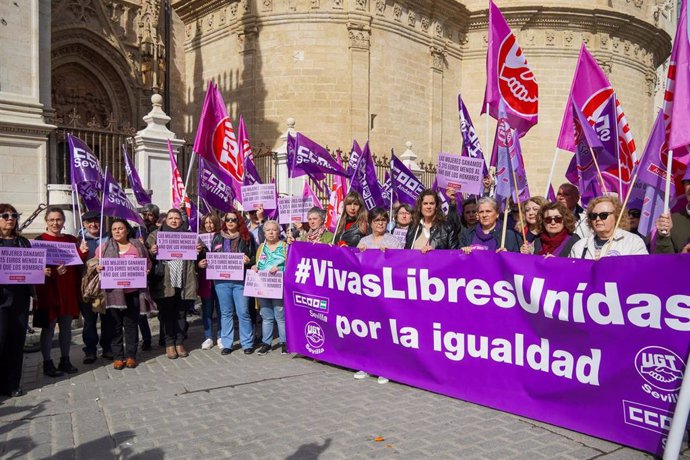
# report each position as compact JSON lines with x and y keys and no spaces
{"x":400,"y":234}
{"x":176,"y":245}
{"x":123,"y":273}
{"x":257,"y":195}
{"x":264,"y":284}
{"x":600,"y":348}
{"x":58,"y":253}
{"x":225,"y":266}
{"x":293,"y":208}
{"x":22,"y":265}
{"x":464,"y":174}
{"x":206,"y":239}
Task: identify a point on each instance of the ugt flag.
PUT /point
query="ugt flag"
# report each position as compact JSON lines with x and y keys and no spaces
{"x":116,"y":204}
{"x":509,"y":160}
{"x":85,"y":172}
{"x":470,"y":141}
{"x":582,"y":170}
{"x":177,"y":185}
{"x":133,"y":177}
{"x":508,"y":77}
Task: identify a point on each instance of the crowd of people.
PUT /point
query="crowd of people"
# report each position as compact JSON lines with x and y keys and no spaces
{"x":538,"y":227}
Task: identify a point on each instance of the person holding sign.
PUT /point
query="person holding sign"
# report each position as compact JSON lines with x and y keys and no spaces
{"x":557,"y":226}
{"x":271,"y":257}
{"x":15,"y":300}
{"x":124,"y":305}
{"x":235,"y":238}
{"x":430,"y":229}
{"x":352,"y":225}
{"x":173,"y":283}
{"x":488,"y":235}
{"x":210,"y":226}
{"x":317,"y":233}
{"x":58,"y":298}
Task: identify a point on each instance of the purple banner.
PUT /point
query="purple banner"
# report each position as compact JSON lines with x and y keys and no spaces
{"x":123,"y":273}
{"x":22,"y":265}
{"x":176,"y":245}
{"x":225,"y":266}
{"x":264,"y":285}
{"x":598,"y":349}
{"x":58,"y":253}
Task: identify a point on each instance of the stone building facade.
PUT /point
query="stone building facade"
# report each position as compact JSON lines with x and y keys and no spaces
{"x":384,"y":70}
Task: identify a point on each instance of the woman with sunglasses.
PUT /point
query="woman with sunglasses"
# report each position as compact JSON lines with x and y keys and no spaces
{"x":234,"y":237}
{"x":58,"y":297}
{"x":602,"y":214}
{"x":171,"y":290}
{"x":556,"y":226}
{"x":15,"y":300}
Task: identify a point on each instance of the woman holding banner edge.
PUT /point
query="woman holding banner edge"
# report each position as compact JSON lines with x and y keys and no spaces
{"x":317,"y":233}
{"x":234,"y":237}
{"x":556,"y":225}
{"x":429,"y":229}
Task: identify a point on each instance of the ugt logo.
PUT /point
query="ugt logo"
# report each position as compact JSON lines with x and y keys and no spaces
{"x":660,"y":367}
{"x":314,"y":334}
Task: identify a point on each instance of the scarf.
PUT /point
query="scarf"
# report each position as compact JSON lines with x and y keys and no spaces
{"x":484,"y":240}
{"x":314,"y":236}
{"x":552,"y":244}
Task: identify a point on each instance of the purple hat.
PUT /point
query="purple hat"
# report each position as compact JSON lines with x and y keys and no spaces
{"x":686,"y":176}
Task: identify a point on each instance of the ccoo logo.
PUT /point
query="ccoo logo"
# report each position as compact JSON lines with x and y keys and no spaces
{"x":314,"y":334}
{"x":660,"y":367}
{"x":516,"y":81}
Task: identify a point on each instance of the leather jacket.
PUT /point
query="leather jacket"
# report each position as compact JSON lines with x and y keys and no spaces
{"x":442,"y":236}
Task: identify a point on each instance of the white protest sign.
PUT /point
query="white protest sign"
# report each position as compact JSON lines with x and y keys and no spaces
{"x":256,"y":195}
{"x":293,"y":209}
{"x":463,"y":174}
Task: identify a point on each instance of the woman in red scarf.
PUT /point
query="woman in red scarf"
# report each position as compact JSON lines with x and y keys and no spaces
{"x":58,"y":298}
{"x":556,"y":225}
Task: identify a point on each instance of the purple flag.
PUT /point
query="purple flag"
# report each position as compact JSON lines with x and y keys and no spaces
{"x":387,"y":190}
{"x":308,"y":157}
{"x":677,"y":97}
{"x":353,"y":159}
{"x":193,"y":216}
{"x":582,"y":171}
{"x":214,"y":186}
{"x":134,"y":181}
{"x":445,"y":202}
{"x":365,"y":182}
{"x":251,"y":175}
{"x":551,"y":196}
{"x":509,"y":160}
{"x":470,"y":140}
{"x":509,"y":79}
{"x":116,"y":204}
{"x":605,"y":126}
{"x":406,"y":186}
{"x":307,"y":192}
{"x":85,"y":172}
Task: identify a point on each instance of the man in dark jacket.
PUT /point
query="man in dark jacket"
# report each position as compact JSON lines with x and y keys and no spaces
{"x":673,"y":232}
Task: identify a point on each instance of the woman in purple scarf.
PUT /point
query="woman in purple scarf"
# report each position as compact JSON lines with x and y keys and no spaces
{"x":487,"y":235}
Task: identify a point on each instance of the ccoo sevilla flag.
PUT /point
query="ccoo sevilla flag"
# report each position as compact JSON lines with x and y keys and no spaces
{"x":116,"y":204}
{"x":508,"y":76}
{"x":134,"y":181}
{"x":85,"y":172}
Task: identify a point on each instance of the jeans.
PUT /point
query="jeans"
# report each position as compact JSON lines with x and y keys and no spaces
{"x":89,"y":333}
{"x":125,"y":328}
{"x":145,"y":329}
{"x":272,"y":309}
{"x":172,"y":312}
{"x":232,"y":300}
{"x":208,"y":306}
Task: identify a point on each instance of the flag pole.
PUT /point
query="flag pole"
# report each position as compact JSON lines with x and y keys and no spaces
{"x":81,"y":224}
{"x":505,"y":225}
{"x":553,"y":168}
{"x":100,"y":228}
{"x":392,"y":178}
{"x":596,"y":165}
{"x":620,"y":177}
{"x":487,"y":126}
{"x":517,"y":201}
{"x":620,"y":217}
{"x":667,"y":190}
{"x":189,"y":173}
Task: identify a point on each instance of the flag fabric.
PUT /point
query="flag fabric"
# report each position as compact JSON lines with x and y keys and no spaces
{"x":677,"y":95}
{"x":306,"y":157}
{"x":551,"y":196}
{"x":116,"y":204}
{"x":470,"y":141}
{"x":445,"y":202}
{"x":592,"y":93}
{"x":192,"y":215}
{"x":509,"y":159}
{"x":353,"y":159}
{"x":582,"y":170}
{"x":336,"y":199}
{"x":387,"y":190}
{"x":508,"y":76}
{"x":85,"y":172}
{"x":251,"y":174}
{"x":406,"y":186}
{"x":177,"y":185}
{"x":216,"y":140}
{"x":214,"y":186}
{"x":140,"y":194}
{"x":308,"y":192}
{"x":365,"y":182}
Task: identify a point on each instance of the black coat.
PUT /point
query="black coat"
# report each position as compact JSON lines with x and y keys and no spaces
{"x":351,"y":236}
{"x":574,"y":238}
{"x":442,"y":236}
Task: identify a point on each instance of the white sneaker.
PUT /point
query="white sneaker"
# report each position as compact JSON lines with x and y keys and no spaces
{"x":382,"y":380}
{"x":207,"y":344}
{"x":220,"y":345}
{"x":359,"y":375}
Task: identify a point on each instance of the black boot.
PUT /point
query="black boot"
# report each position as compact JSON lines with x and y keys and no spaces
{"x":66,"y":366}
{"x":49,"y":369}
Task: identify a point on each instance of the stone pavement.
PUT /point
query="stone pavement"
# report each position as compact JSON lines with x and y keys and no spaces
{"x":263,"y":407}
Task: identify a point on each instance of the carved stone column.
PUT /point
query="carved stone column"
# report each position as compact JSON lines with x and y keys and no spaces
{"x":438,"y":61}
{"x":359,"y":35}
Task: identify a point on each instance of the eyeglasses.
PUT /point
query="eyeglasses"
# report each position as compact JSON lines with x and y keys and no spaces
{"x":601,"y":215}
{"x":9,"y":215}
{"x":552,"y":219}
{"x":634,"y":213}
{"x":55,"y":221}
{"x":231,"y":219}
{"x":379,"y":221}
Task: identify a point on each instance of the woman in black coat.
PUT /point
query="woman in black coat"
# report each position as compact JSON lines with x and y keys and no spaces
{"x":352,"y":225}
{"x":430,"y":230}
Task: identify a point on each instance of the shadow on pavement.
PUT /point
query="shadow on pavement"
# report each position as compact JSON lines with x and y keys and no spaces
{"x":310,"y":451}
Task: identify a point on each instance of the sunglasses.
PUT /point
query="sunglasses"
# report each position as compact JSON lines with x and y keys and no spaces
{"x":634,"y":213}
{"x":601,"y":215}
{"x":9,"y":215}
{"x":552,"y":219}
{"x":231,"y":219}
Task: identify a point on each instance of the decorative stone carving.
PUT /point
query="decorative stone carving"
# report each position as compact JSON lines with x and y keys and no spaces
{"x":315,"y":4}
{"x":359,"y":35}
{"x":568,"y":38}
{"x":426,"y":22}
{"x":267,"y":5}
{"x":209,"y":22}
{"x":637,"y":3}
{"x":233,"y":9}
{"x":605,"y":41}
{"x":411,"y":18}
{"x":605,"y":65}
{"x":380,"y":7}
{"x":361,"y":5}
{"x":550,"y":38}
{"x":338,"y":4}
{"x":438,"y":57}
{"x":651,"y":80}
{"x":529,"y":37}
{"x":397,"y":11}
{"x":439,"y":29}
{"x":82,"y":10}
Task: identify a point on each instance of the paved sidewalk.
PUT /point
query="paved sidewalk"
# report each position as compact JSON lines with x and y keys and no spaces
{"x":263,"y":407}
